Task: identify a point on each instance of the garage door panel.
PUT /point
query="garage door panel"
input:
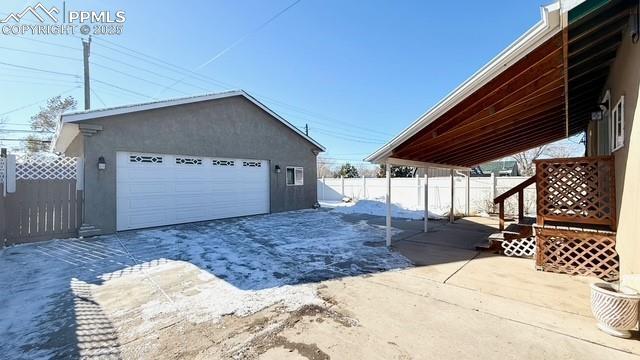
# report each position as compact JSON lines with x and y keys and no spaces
{"x":142,"y":188}
{"x":166,"y":192}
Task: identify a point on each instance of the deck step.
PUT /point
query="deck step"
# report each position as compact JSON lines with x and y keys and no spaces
{"x":501,"y":236}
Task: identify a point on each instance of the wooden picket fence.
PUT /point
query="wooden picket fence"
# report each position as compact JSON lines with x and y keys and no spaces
{"x":41,"y":199}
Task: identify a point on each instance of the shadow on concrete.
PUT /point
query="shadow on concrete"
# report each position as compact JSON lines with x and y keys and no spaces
{"x":56,"y":278}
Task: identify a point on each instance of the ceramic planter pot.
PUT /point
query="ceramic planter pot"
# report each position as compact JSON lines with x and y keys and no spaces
{"x":615,"y":310}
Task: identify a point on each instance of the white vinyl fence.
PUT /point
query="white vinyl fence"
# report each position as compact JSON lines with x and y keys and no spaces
{"x":408,"y":193}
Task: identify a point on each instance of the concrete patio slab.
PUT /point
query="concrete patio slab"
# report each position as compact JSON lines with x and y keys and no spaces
{"x":263,"y":288}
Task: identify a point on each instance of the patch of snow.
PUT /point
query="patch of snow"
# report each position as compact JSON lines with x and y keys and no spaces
{"x":379,"y":208}
{"x":216,"y":298}
{"x":246,"y":264}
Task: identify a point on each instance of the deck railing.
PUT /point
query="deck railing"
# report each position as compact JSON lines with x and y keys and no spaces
{"x":576,"y":191}
{"x":518,"y":189}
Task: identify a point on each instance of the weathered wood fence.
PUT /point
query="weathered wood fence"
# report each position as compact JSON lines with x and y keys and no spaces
{"x":41,"y":198}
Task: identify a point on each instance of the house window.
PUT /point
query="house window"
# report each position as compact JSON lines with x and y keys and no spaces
{"x":617,"y":125}
{"x":295,"y":176}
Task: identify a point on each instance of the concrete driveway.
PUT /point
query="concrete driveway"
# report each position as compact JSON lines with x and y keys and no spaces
{"x":85,"y":297}
{"x":307,"y":284}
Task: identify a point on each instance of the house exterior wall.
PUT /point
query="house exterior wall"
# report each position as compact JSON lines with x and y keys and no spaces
{"x":624,"y":80}
{"x":228,"y":127}
{"x":76,"y":148}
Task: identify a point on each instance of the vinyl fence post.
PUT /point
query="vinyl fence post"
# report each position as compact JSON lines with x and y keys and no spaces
{"x":388,"y":222}
{"x":364,"y":187}
{"x":451,"y":210}
{"x":493,"y":189}
{"x":468,"y":193}
{"x":11,"y":173}
{"x":323,"y":186}
{"x":418,"y":192}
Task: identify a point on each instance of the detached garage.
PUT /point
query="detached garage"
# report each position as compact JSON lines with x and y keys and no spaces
{"x":184,"y":160}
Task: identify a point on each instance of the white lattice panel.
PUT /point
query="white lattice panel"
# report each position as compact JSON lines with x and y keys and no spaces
{"x":525,"y":247}
{"x":58,"y":168}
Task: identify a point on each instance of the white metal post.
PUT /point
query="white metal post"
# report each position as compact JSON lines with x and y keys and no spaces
{"x":451,"y":214}
{"x":388,"y":223}
{"x":342,"y":185}
{"x":468,"y":194}
{"x":324,"y":185}
{"x":426,"y":200}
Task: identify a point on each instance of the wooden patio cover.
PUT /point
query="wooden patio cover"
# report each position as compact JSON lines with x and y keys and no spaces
{"x":526,"y":105}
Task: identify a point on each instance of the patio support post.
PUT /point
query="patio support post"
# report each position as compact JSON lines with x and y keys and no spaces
{"x":426,"y":199}
{"x":451,"y":215}
{"x":388,"y":223}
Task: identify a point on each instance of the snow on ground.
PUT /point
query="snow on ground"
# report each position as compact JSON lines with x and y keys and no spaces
{"x":377,"y":208}
{"x":248,"y":263}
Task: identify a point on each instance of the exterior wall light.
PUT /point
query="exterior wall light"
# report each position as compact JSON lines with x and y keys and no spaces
{"x":101,"y":163}
{"x":277,"y":168}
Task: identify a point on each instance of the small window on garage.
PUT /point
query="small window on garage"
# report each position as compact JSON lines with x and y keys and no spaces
{"x":295,"y":176}
{"x":617,"y":124}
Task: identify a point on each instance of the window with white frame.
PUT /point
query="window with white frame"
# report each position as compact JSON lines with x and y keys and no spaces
{"x":617,"y":125}
{"x":295,"y":176}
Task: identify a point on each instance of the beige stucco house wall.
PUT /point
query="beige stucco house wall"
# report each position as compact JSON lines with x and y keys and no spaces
{"x":624,"y":80}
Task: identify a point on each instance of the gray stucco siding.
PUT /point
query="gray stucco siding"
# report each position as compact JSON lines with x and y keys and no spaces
{"x":230,"y":127}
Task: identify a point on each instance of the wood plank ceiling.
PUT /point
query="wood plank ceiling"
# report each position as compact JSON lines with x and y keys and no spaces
{"x":524,"y":106}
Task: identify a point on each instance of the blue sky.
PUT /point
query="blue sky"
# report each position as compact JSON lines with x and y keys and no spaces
{"x":357,"y":72}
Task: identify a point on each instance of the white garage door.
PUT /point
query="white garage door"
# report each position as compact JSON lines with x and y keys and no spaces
{"x":159,"y":189}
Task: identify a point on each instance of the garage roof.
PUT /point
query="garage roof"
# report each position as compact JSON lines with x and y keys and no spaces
{"x":68,"y":126}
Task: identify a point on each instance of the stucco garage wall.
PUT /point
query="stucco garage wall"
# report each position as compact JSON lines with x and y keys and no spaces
{"x":228,"y":127}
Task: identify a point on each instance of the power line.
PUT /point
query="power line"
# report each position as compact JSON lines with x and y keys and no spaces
{"x":17,"y":81}
{"x":37,"y":102}
{"x":48,"y":43}
{"x":333,"y":122}
{"x":235,"y":43}
{"x":224,"y":85}
{"x":39,"y":70}
{"x":122,"y":89}
{"x":93,"y":53}
{"x":98,"y":97}
{"x":40,"y":53}
{"x":132,"y":76}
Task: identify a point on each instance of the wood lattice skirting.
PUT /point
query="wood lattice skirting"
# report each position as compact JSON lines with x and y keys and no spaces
{"x":577,"y":252}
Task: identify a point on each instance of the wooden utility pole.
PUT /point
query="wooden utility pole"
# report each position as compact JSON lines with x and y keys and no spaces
{"x":86,"y":49}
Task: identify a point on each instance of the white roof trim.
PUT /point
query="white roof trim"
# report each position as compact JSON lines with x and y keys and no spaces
{"x":547,"y":27}
{"x":78,"y":116}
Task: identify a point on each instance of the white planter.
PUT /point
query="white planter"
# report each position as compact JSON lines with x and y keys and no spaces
{"x":616,"y":311}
